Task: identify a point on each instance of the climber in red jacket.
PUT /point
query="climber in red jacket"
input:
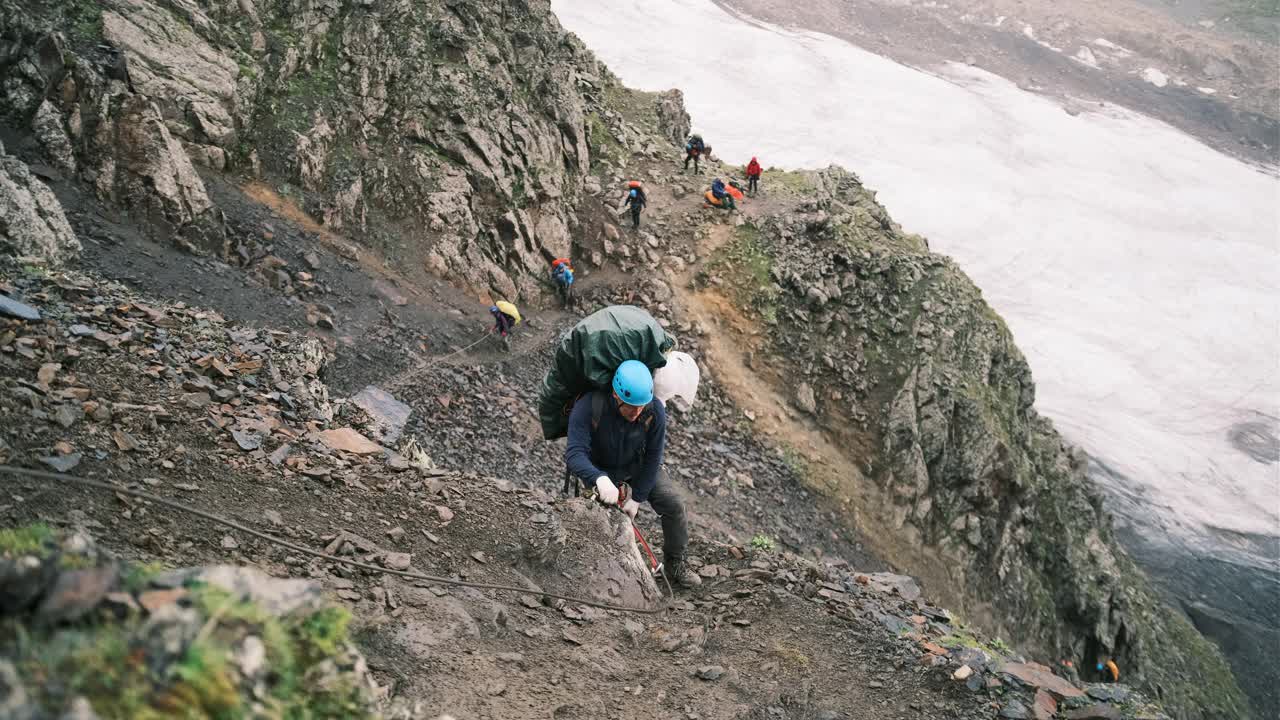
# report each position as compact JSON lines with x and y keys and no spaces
{"x":753,"y":176}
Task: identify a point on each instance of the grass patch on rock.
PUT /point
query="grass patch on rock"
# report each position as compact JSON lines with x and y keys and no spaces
{"x":796,"y":181}
{"x":746,"y":266}
{"x":25,"y":540}
{"x":150,"y":647}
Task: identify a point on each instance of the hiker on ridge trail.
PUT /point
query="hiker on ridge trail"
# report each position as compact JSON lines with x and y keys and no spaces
{"x":693,"y":149}
{"x":562,"y":275}
{"x":505,"y":317}
{"x":637,"y":200}
{"x":753,"y":176}
{"x":618,"y":436}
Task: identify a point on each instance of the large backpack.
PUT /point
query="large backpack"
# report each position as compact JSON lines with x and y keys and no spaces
{"x":509,"y":310}
{"x":588,"y":355}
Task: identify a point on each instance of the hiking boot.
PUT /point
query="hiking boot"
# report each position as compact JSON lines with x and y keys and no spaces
{"x":680,"y":574}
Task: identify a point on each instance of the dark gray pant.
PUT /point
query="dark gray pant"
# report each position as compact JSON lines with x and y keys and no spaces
{"x":666,"y":501}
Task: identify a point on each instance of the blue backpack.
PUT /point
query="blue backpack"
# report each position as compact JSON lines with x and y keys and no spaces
{"x":717,"y":189}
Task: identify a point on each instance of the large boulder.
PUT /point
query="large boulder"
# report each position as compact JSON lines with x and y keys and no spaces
{"x":673,"y":119}
{"x":32,"y":223}
{"x":588,"y":550}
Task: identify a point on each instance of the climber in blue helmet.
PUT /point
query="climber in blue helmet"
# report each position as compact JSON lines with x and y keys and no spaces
{"x":618,"y":436}
{"x":637,"y":201}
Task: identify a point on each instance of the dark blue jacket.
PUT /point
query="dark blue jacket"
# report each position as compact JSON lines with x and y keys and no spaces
{"x":626,"y":452}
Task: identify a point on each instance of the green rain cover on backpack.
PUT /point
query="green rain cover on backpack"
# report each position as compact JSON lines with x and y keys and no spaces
{"x":589,"y":353}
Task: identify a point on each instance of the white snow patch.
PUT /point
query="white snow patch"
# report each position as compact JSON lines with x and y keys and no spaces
{"x":1122,"y":52}
{"x":999,"y":21}
{"x":1155,"y":77}
{"x":1086,"y":56}
{"x":1207,"y":91}
{"x":1029,"y":31}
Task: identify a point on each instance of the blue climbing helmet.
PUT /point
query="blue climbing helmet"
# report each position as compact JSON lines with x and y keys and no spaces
{"x":635,"y":192}
{"x":633,"y":383}
{"x":494,"y":309}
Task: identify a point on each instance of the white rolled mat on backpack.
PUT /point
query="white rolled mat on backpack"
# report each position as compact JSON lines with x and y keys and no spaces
{"x":678,"y":378}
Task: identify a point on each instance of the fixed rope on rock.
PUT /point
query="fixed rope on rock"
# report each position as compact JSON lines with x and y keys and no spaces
{"x":73,"y":479}
{"x":425,"y":365}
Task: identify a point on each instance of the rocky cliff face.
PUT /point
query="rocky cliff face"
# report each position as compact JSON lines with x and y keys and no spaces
{"x":453,"y":134}
{"x":903,"y":360}
{"x":32,"y":223}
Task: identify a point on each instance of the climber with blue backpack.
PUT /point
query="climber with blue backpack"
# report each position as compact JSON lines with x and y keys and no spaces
{"x":719,"y":192}
{"x":562,"y":275}
{"x":617,"y":438}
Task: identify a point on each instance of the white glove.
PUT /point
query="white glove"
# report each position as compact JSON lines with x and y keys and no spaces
{"x":607,"y":491}
{"x":631,"y":507}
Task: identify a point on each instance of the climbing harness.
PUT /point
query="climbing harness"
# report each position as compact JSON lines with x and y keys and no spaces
{"x":63,"y":477}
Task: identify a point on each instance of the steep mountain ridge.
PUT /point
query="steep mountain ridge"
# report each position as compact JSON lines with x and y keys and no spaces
{"x":892,"y":352}
{"x":477,"y":139}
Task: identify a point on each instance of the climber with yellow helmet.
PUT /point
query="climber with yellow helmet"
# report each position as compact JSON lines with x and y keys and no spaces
{"x":505,"y":317}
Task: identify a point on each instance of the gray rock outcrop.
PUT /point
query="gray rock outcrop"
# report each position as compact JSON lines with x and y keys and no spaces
{"x":936,"y":392}
{"x":673,"y":120}
{"x":453,"y":133}
{"x":32,"y":223}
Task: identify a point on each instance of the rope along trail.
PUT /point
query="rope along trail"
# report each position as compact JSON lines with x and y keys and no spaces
{"x":418,"y":368}
{"x":6,"y":469}
{"x":429,"y":363}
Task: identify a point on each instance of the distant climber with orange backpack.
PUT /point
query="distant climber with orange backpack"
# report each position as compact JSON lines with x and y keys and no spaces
{"x":721,"y":193}
{"x":637,"y":200}
{"x":693,"y":149}
{"x":753,"y":176}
